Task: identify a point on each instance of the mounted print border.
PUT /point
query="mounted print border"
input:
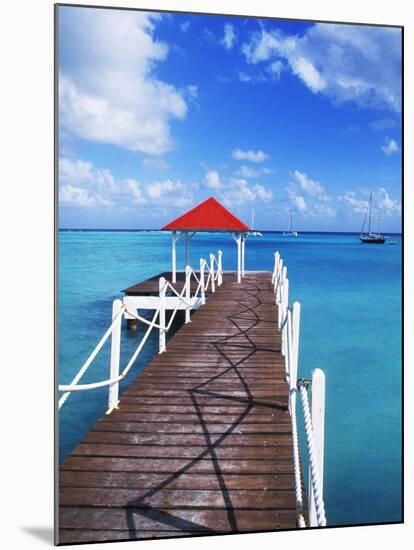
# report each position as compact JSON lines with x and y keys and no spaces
{"x":229,"y":342}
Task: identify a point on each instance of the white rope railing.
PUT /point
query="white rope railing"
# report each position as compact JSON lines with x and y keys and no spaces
{"x":141,"y":344}
{"x":289,"y":324}
{"x":73,"y":386}
{"x":91,"y":357}
{"x":313,"y":466}
{"x":296,"y":464}
{"x":114,"y":330}
{"x":179,"y":295}
{"x":141,"y":319}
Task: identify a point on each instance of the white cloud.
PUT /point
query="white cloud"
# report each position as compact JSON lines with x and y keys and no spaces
{"x":185,"y":26}
{"x":390,"y":146}
{"x":155,"y":163}
{"x":82,"y":184}
{"x":262,"y":193}
{"x":174,"y":192}
{"x":309,"y":186}
{"x":302,"y":185}
{"x":235,"y":191}
{"x":229,"y":37}
{"x":305,"y":69}
{"x":275,"y":68}
{"x":136,"y":192}
{"x":192,"y":90}
{"x":263,"y":46}
{"x":344,"y":62}
{"x":244,"y":77}
{"x":252,"y":78}
{"x":75,"y":171}
{"x":300,"y":203}
{"x":248,"y":172}
{"x":252,"y":156}
{"x":112,"y":94}
{"x":71,"y":195}
{"x":358,"y":206}
{"x":383,"y":124}
{"x":382,"y":202}
{"x":385,"y":203}
{"x":323,"y":211}
{"x":212,"y":180}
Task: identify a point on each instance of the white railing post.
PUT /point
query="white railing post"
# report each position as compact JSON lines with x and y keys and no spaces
{"x":243,"y":240}
{"x":275,"y":268}
{"x":285,"y":301}
{"x":161,"y":321}
{"x":289,"y":354}
{"x":220,"y":268}
{"x":113,"y":392}
{"x":318,"y":425}
{"x":295,"y":343}
{"x":202,"y":280}
{"x":279,"y":283}
{"x":238,"y":241}
{"x":213,"y":283}
{"x":187,"y":293}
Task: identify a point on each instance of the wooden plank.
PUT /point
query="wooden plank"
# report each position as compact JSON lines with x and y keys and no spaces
{"x":132,"y":423}
{"x":192,"y":440}
{"x":76,"y":536}
{"x":132,"y":480}
{"x":171,"y":499}
{"x":123,"y":449}
{"x":191,"y":521}
{"x":263,"y":416}
{"x":173,"y":466}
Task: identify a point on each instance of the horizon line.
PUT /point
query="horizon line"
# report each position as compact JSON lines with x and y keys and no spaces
{"x":218,"y":231}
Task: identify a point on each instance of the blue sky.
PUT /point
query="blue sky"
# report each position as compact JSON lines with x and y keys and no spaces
{"x":160,"y":111}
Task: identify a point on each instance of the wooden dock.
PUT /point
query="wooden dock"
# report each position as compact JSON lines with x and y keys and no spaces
{"x":202,"y":441}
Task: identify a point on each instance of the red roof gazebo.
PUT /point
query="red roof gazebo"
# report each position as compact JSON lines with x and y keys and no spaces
{"x":208,"y":216}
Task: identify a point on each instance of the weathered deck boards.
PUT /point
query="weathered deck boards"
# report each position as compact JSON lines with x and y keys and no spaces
{"x":201,"y":443}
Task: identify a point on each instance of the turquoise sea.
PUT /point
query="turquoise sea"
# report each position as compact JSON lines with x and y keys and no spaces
{"x":351,"y":328}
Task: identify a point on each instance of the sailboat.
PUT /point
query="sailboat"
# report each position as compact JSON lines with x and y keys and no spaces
{"x":253,"y":231}
{"x":369,"y":237}
{"x":290,"y":232}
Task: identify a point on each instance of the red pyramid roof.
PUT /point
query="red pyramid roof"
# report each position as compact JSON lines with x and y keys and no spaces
{"x":209,"y":215}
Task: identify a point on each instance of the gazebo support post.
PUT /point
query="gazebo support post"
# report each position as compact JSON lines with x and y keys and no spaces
{"x":188,"y":238}
{"x":238,"y":238}
{"x":175,"y":238}
{"x":243,"y":240}
{"x":187,"y":248}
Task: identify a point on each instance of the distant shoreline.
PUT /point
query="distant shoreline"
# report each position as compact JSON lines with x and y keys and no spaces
{"x":278,"y":232}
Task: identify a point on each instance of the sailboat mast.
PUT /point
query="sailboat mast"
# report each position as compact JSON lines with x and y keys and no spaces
{"x":369,"y":219}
